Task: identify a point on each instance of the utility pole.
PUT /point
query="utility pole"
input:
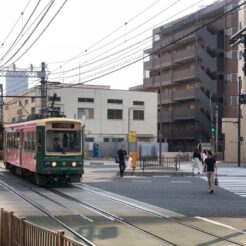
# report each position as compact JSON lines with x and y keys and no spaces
{"x":33,"y":74}
{"x":239,"y":123}
{"x":216,"y":127}
{"x":43,"y":89}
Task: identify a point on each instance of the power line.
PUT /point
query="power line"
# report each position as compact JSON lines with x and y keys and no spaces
{"x":41,"y":32}
{"x":121,"y":58}
{"x":39,"y":22}
{"x":162,"y":48}
{"x":23,"y":28}
{"x":11,"y":30}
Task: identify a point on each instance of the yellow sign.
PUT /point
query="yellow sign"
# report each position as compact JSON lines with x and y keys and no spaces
{"x":132,"y":137}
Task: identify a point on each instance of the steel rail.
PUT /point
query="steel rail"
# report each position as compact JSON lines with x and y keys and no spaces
{"x":45,"y":211}
{"x":152,"y":212}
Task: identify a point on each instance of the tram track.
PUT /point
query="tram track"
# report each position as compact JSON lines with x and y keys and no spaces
{"x":104,"y":213}
{"x":154,"y":213}
{"x":45,"y":211}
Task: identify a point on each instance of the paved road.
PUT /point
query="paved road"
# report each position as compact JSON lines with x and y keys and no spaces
{"x":184,"y":195}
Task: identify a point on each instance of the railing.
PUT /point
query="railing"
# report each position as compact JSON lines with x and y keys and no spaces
{"x":16,"y":231}
{"x":152,"y":162}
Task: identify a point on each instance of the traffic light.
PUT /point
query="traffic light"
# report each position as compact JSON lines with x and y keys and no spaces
{"x":244,"y":65}
{"x":244,"y":69}
{"x":242,"y":98}
{"x":212,"y":130}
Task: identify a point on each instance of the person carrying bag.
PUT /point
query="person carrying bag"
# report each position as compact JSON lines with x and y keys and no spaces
{"x":211,"y":167}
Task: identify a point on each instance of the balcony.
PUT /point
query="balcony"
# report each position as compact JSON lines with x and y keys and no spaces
{"x":184,"y":74}
{"x":166,"y":117}
{"x":195,"y":93}
{"x":157,"y":81}
{"x":157,"y":63}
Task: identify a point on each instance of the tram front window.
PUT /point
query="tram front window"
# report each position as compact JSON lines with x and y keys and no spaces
{"x":63,"y":141}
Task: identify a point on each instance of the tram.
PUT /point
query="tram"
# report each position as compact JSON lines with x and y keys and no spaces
{"x":47,"y":150}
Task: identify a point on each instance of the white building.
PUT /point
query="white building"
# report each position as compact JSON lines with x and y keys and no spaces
{"x":109,"y":114}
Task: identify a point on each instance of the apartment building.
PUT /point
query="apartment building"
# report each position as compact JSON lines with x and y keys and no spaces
{"x":194,"y":71}
{"x":109,"y":114}
{"x":230,"y":125}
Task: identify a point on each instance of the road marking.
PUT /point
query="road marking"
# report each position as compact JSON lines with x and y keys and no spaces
{"x":180,"y":181}
{"x":218,"y":223}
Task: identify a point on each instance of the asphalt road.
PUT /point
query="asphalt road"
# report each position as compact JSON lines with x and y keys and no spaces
{"x":185,"y":195}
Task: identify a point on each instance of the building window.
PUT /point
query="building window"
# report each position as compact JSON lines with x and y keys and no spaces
{"x":6,"y":107}
{"x":90,"y":140}
{"x":115,"y":101}
{"x":117,"y":140}
{"x":139,"y":103}
{"x":87,"y":112}
{"x":114,"y":114}
{"x":33,"y":110}
{"x":105,"y":140}
{"x":26,"y":101}
{"x":231,"y":100}
{"x":56,"y":99}
{"x":138,"y":115}
{"x":86,"y":99}
{"x":33,"y":99}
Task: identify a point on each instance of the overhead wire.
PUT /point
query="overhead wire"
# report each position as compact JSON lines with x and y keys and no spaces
{"x":52,"y":19}
{"x":90,"y":62}
{"x":29,"y":36}
{"x":11,"y":30}
{"x":117,"y":45}
{"x":161,"y":48}
{"x":107,"y":36}
{"x":21,"y":32}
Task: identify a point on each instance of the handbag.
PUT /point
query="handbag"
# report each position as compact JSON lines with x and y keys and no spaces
{"x":216,"y":181}
{"x":116,"y":159}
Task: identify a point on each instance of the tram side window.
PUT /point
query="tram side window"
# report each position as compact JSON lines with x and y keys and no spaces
{"x":39,"y":140}
{"x":29,"y":141}
{"x":25,"y":141}
{"x":16,"y":140}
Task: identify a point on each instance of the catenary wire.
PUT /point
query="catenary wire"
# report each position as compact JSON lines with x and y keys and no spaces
{"x":162,"y":48}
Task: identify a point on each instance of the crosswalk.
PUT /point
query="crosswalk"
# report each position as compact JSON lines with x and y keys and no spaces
{"x":233,"y":180}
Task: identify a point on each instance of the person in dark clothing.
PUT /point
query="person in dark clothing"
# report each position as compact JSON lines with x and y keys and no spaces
{"x":211,"y":167}
{"x":122,"y":155}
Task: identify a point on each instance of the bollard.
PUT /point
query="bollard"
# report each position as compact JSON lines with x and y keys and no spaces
{"x":134,"y":161}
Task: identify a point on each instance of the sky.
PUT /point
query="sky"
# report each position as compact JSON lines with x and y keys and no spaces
{"x":87,"y":40}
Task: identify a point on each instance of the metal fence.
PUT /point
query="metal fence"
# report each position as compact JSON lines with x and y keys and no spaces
{"x":16,"y":231}
{"x":153,"y":162}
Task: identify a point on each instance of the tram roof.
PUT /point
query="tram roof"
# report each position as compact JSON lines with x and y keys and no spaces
{"x":42,"y":122}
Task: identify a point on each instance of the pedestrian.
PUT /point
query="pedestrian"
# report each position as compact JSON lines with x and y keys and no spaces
{"x":211,"y":167}
{"x":196,"y":158}
{"x":203,"y":157}
{"x":122,"y":155}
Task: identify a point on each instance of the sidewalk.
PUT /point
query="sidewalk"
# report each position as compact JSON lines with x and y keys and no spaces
{"x":224,"y":169}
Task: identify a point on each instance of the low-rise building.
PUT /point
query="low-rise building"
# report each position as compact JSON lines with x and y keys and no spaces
{"x":109,"y":114}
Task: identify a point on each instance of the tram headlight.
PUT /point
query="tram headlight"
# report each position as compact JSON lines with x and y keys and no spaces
{"x":74,"y":164}
{"x":47,"y":164}
{"x":53,"y":164}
